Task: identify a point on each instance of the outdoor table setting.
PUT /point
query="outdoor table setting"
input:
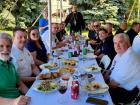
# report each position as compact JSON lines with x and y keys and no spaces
{"x":70,"y":78}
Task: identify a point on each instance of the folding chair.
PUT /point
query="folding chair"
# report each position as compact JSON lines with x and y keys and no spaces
{"x":105,"y":61}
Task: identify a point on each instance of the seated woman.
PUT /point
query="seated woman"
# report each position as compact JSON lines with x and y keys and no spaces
{"x":10,"y":83}
{"x":36,"y":46}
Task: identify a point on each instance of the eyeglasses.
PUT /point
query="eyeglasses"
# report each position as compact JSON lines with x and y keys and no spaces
{"x":35,"y":34}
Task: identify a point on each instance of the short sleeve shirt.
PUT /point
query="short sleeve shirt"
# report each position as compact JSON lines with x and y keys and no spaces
{"x":41,"y":52}
{"x":43,"y":22}
{"x":8,"y":80}
{"x":23,"y":61}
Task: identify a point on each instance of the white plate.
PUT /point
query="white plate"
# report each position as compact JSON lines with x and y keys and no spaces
{"x":68,"y":60}
{"x":102,"y":89}
{"x":89,"y":69}
{"x":36,"y":85}
{"x":90,"y":56}
{"x":47,"y":64}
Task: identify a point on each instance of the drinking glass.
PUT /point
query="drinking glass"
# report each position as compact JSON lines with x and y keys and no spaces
{"x":62,"y":88}
{"x":65,"y":76}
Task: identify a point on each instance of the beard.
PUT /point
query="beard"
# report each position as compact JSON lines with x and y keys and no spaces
{"x":4,"y":56}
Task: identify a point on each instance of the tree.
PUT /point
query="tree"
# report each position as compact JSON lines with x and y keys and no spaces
{"x":24,"y":12}
{"x":102,"y":10}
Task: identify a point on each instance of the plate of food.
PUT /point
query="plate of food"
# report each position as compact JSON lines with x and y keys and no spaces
{"x":95,"y":87}
{"x":50,"y":75}
{"x":90,"y":56}
{"x":69,"y":62}
{"x":45,"y":86}
{"x":93,"y":68}
{"x":69,"y":69}
{"x":49,"y":66}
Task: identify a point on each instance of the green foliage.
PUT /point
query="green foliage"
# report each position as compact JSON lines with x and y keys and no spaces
{"x":24,"y":12}
{"x":9,"y":22}
{"x":102,"y":10}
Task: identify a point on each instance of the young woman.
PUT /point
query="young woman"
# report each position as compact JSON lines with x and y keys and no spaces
{"x":36,"y":46}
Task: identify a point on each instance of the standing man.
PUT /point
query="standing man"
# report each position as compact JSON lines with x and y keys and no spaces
{"x":75,"y":19}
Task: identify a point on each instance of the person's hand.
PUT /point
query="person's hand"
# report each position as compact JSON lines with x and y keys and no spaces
{"x":67,"y":41}
{"x":106,"y":74}
{"x":113,"y":84}
{"x":22,"y":100}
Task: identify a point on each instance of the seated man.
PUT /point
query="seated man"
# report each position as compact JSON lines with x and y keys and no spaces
{"x":22,"y":57}
{"x":124,"y":79}
{"x":55,"y":42}
{"x":106,"y":48}
{"x":10,"y":83}
{"x":122,"y":28}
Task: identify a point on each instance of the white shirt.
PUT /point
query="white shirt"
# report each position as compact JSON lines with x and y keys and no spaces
{"x":23,"y":61}
{"x":136,"y":44}
{"x":126,"y":70}
{"x":46,"y":40}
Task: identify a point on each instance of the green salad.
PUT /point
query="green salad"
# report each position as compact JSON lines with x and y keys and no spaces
{"x":47,"y":85}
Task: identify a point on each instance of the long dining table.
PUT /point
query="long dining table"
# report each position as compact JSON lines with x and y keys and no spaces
{"x":52,"y":98}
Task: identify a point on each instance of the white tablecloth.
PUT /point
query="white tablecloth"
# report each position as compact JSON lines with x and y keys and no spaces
{"x":39,"y":98}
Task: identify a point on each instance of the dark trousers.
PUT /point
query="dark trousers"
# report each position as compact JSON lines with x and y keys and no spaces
{"x":121,"y":95}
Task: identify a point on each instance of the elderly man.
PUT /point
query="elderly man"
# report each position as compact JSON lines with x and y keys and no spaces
{"x":10,"y":83}
{"x":125,"y":71}
{"x":22,"y":57}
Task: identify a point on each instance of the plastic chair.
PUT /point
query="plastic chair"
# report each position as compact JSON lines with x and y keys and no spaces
{"x":105,"y":61}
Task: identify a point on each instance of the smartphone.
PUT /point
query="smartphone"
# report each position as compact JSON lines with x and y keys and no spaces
{"x":96,"y":101}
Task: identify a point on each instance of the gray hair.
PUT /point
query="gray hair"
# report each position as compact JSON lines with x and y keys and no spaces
{"x":6,"y":36}
{"x":124,"y":36}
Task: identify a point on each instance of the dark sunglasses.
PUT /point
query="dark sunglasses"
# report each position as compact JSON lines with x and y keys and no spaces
{"x":35,"y":34}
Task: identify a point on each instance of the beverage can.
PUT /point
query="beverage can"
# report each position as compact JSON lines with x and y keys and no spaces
{"x":75,"y":82}
{"x":74,"y":91}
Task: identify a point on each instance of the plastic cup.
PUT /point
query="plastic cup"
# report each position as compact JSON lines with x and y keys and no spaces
{"x":84,"y":51}
{"x":69,"y":54}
